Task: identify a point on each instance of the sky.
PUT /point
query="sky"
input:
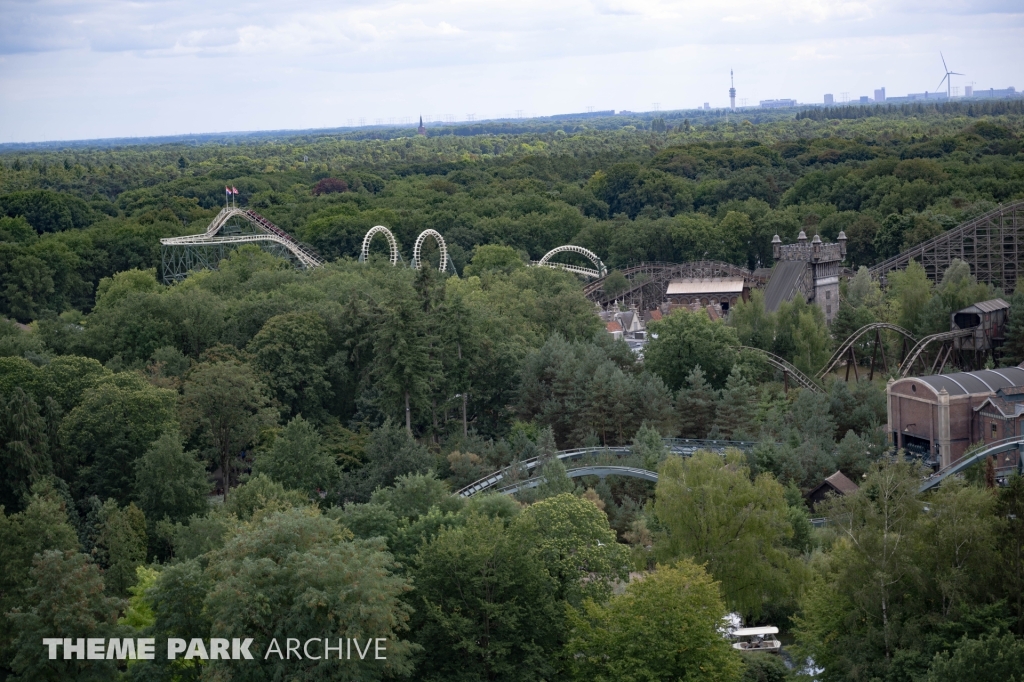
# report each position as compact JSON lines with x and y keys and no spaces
{"x":85,"y":69}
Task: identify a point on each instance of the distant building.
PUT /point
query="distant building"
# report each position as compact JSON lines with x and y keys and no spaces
{"x":993,"y":93}
{"x":707,"y":105}
{"x":927,"y":95}
{"x":880,"y":95}
{"x":777,"y":103}
{"x":864,"y":99}
{"x":837,"y":484}
{"x":421,"y":130}
{"x":968,"y":91}
{"x":732,"y":92}
{"x":708,"y":291}
{"x":829,"y":100}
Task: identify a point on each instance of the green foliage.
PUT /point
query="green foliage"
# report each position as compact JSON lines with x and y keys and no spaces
{"x":24,"y":448}
{"x":685,"y":340}
{"x":390,"y":453}
{"x":715,"y":515}
{"x":665,"y":626}
{"x":113,"y":425}
{"x":695,"y":404}
{"x":224,"y":407}
{"x":261,"y":495}
{"x":121,"y":545}
{"x":485,"y":605}
{"x":988,"y":658}
{"x":170,"y":483}
{"x":297,"y":460}
{"x":265,"y":576}
{"x":493,"y":258}
{"x":66,"y":600}
{"x":42,"y":526}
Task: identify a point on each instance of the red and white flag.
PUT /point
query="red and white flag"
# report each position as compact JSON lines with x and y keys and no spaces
{"x":234,"y":190}
{"x":227,"y":190}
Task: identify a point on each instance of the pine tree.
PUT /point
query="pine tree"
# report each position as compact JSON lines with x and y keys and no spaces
{"x":695,"y":405}
{"x":736,"y":409}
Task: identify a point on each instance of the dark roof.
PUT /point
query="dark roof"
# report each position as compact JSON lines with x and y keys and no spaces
{"x":983,"y":381}
{"x":986,"y":306}
{"x":842,"y":483}
{"x":837,"y":483}
{"x":783,"y":284}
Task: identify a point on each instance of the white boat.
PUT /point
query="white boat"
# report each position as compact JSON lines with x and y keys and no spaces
{"x":757,"y":639}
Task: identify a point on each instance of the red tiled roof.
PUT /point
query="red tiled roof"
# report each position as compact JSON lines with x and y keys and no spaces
{"x":613,"y":327}
{"x":655,"y":314}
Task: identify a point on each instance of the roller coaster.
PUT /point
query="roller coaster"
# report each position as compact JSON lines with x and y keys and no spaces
{"x":648,"y":282}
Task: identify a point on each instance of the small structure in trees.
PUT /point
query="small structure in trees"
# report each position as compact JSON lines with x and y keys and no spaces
{"x":836,"y":484}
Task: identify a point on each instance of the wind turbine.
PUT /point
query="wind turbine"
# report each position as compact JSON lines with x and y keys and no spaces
{"x":946,"y":79}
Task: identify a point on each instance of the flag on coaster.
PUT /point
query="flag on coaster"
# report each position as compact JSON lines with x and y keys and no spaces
{"x":234,"y":190}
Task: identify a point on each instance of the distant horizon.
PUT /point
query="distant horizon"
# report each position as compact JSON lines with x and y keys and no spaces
{"x":109,"y":70}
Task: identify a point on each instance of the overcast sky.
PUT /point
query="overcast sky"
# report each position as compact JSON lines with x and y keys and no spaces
{"x":74,"y":69}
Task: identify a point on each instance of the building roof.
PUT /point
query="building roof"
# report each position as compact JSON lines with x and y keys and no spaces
{"x":973,"y":383}
{"x":986,"y":306}
{"x":655,"y":315}
{"x":753,"y":632}
{"x":706,"y":285}
{"x":613,"y":327}
{"x":783,"y":283}
{"x":841,"y":483}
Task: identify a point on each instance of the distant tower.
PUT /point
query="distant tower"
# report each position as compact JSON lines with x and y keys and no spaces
{"x":421,"y":130}
{"x":732,"y":92}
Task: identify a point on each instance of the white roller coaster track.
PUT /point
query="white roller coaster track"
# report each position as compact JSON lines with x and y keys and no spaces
{"x":417,"y":249}
{"x":600,"y":271}
{"x":267,"y":232}
{"x":364,"y":254}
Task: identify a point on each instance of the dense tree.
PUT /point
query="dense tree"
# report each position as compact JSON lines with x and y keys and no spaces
{"x":714,"y":514}
{"x":113,"y":425}
{"x":265,"y":576}
{"x":170,"y":482}
{"x":695,"y":404}
{"x":66,"y":601}
{"x":290,"y":352}
{"x":297,"y":460}
{"x":665,"y":626}
{"x":224,"y":406}
{"x":24,"y":448}
{"x":486,"y":606}
{"x":685,"y":340}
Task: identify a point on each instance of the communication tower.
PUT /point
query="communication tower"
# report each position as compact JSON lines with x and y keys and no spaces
{"x":732,"y":92}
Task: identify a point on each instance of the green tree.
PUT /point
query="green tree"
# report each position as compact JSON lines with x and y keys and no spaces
{"x":299,"y":574}
{"x":224,"y":406}
{"x":695,"y":405}
{"x":685,"y":340}
{"x":290,"y":351}
{"x":66,"y":600}
{"x":170,"y":483}
{"x":24,"y":448}
{"x":576,"y":544}
{"x":910,"y":290}
{"x":493,"y":258}
{"x":665,"y":626}
{"x":735,"y":411}
{"x":485,"y":605}
{"x":402,"y":360}
{"x":297,"y":460}
{"x":715,"y":515}
{"x":121,"y":545}
{"x":754,"y":326}
{"x":988,"y":658}
{"x":113,"y":425}
{"x":42,"y":526}
{"x":390,"y":453}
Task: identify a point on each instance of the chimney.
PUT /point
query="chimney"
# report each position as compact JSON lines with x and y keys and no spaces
{"x":776,"y":247}
{"x":816,"y":247}
{"x":842,"y":244}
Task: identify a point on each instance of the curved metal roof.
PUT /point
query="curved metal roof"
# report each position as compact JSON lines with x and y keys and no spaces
{"x":969,"y":383}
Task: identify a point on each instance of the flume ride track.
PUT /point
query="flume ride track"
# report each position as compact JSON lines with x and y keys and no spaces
{"x":945,"y":340}
{"x":678,"y":446}
{"x":600,"y":471}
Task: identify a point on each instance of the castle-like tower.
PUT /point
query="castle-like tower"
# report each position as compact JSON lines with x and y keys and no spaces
{"x":421,"y":130}
{"x":732,"y":92}
{"x":811,"y":269}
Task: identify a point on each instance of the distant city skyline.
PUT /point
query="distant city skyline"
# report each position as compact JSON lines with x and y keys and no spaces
{"x":95,"y":69}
